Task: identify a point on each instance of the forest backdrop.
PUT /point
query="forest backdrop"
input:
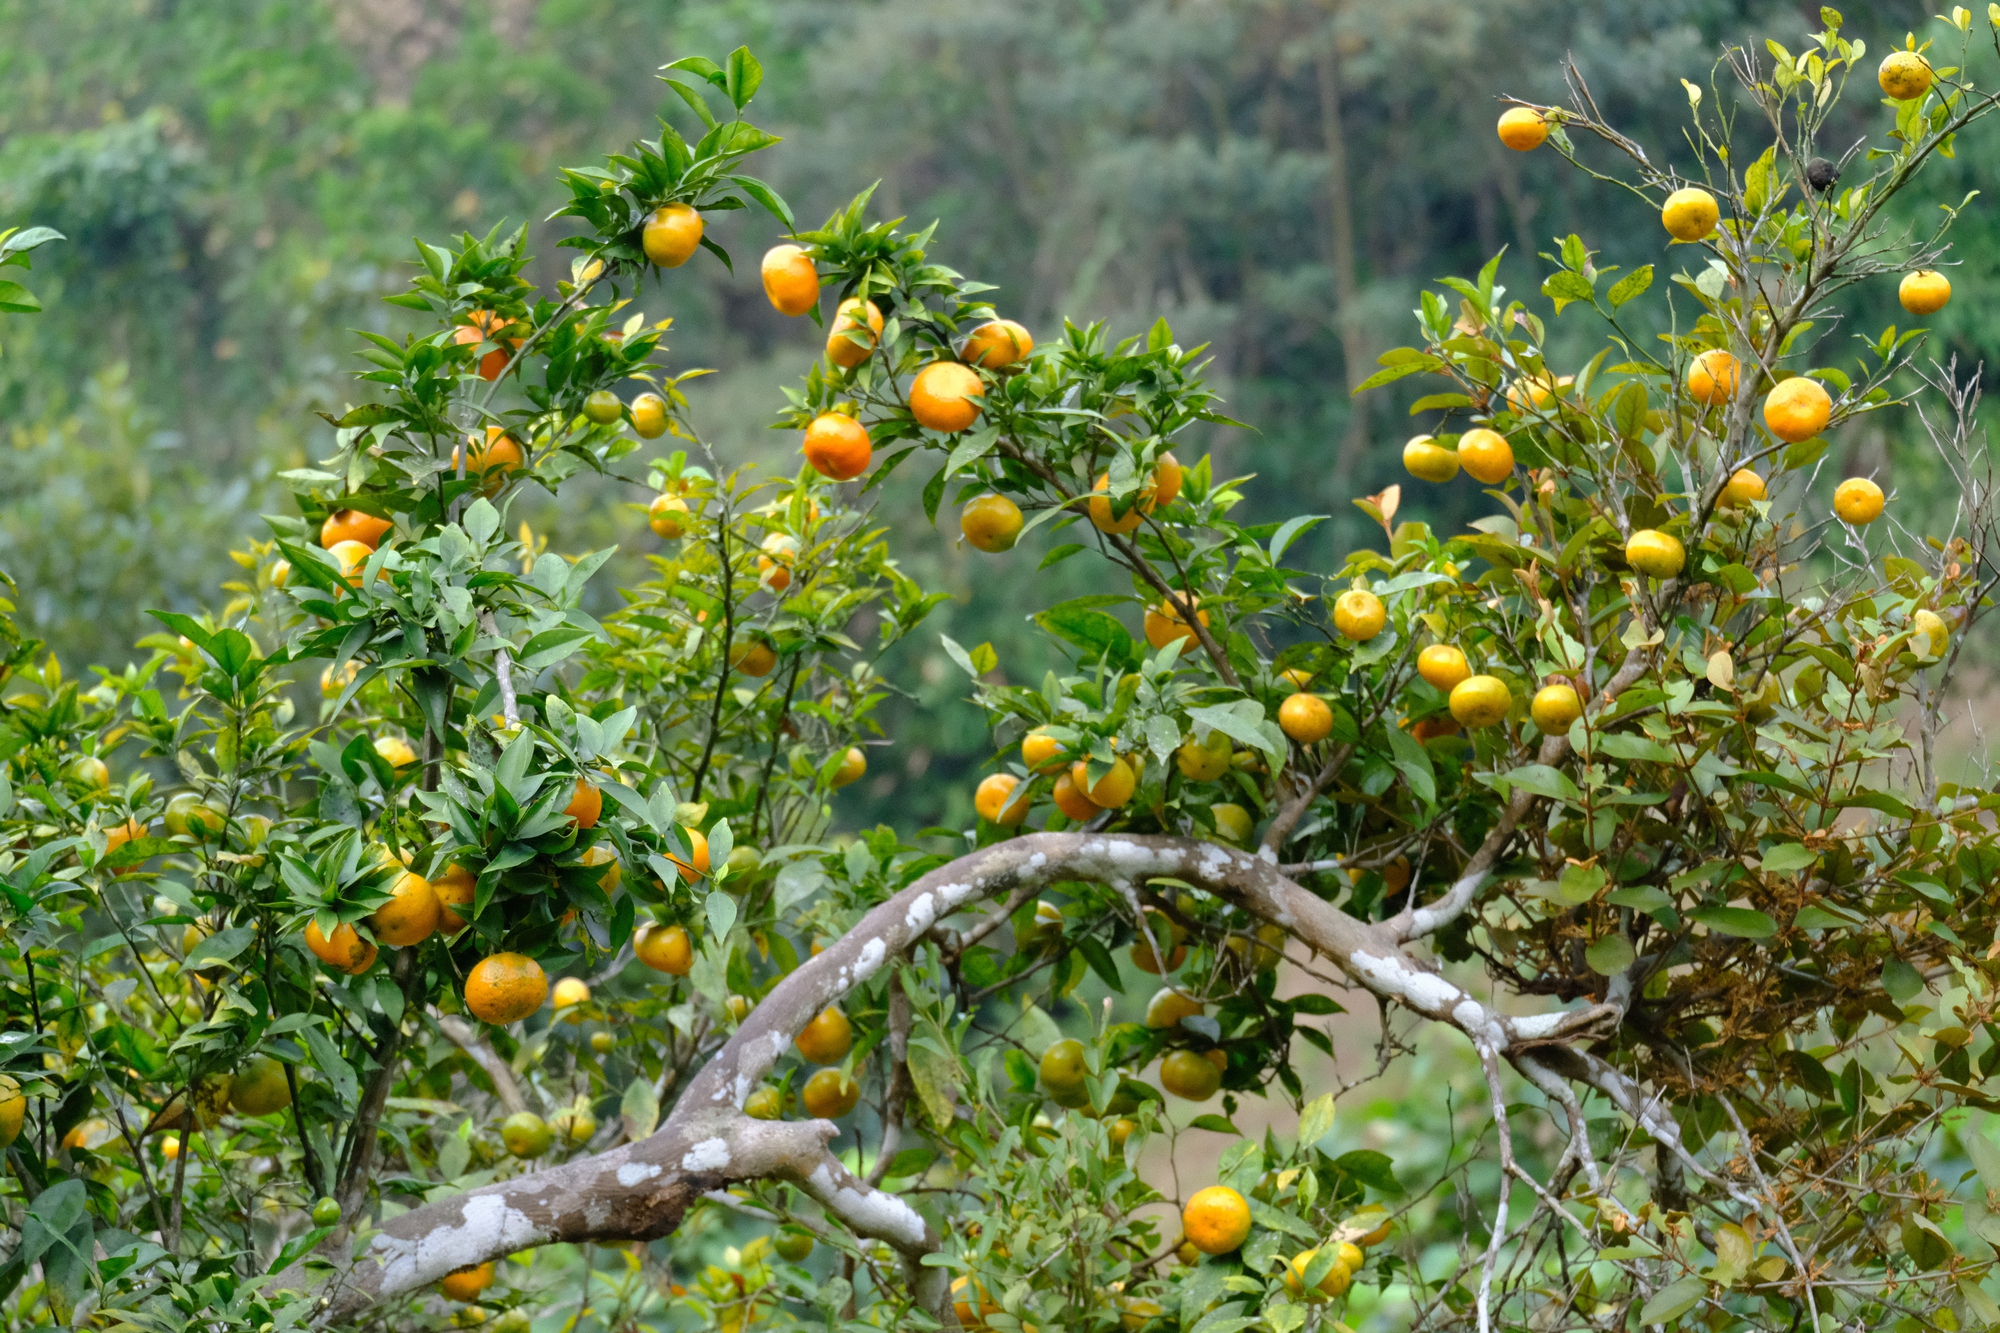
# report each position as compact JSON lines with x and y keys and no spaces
{"x":239,"y":181}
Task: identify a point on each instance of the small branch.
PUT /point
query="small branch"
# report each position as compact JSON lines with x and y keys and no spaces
{"x":897,"y":1100}
{"x":466,"y":1037}
{"x":503,"y":669}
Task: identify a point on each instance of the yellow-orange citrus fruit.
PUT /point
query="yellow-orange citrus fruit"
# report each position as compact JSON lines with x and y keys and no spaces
{"x":1186,"y":1074}
{"x":1216,"y":1220}
{"x":1554,"y":707}
{"x":351,"y":525}
{"x":837,"y":446}
{"x":991,"y":522}
{"x":1742,"y":487}
{"x":410,"y":916}
{"x":856,"y":327}
{"x":1532,"y":393}
{"x":1165,"y":623}
{"x":1690,"y":214}
{"x":488,"y":326}
{"x":1297,"y":677}
{"x":1071,"y":801}
{"x":1204,"y":762}
{"x":1427,"y":460}
{"x":569,"y":992}
{"x":1306,"y":718}
{"x":396,"y":751}
{"x":1523,"y":128}
{"x":1042,"y":752}
{"x":91,"y":772}
{"x":946,"y":396}
{"x":1931,"y":625}
{"x":830,"y":1094}
{"x":996,"y":803}
{"x":827,"y":1039}
{"x":667,"y":516}
{"x":346,"y":951}
{"x":526,"y":1135}
{"x":1924,"y":292}
{"x":1858,"y":500}
{"x":1232,"y":822}
{"x":1166,"y":479}
{"x":1443,"y":665}
{"x":1659,"y":554}
{"x":997,"y":344}
{"x":492,"y":461}
{"x":1359,"y":615}
{"x":665,"y":949}
{"x":348,"y":558}
{"x":649,"y":416}
{"x":1169,"y":1006}
{"x":1486,"y":456}
{"x":454,"y":889}
{"x":1904,"y":75}
{"x":586,"y":803}
{"x":853,"y":765}
{"x":790,"y":279}
{"x":1114,"y":785}
{"x":1338,"y":1278}
{"x":697,"y":863}
{"x":671,"y":235}
{"x":505,"y":988}
{"x":1063,"y":1072}
{"x":753,"y":657}
{"x":260,"y":1087}
{"x":603,"y":407}
{"x":1164,"y":933}
{"x":1481,"y":701}
{"x":13,"y":1110}
{"x":970,"y":1302}
{"x":1797,"y":409}
{"x":1713,"y":377}
{"x":764,"y":1104}
{"x":465,"y":1284}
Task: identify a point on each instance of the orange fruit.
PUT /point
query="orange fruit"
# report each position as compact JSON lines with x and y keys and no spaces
{"x":854,"y":335}
{"x":1164,"y":932}
{"x":1433,"y":727}
{"x":1742,"y":487}
{"x":827,"y":1039}
{"x":1531,"y":393}
{"x":1169,"y":1006}
{"x":603,"y":855}
{"x":345,"y":952}
{"x":1486,"y":456}
{"x":260,"y":1087}
{"x":1359,"y":615}
{"x":1443,"y":665}
{"x":410,"y":916}
{"x":1554,"y":707}
{"x":1166,"y":479}
{"x":1690,"y":214}
{"x":487,"y":326}
{"x":1797,"y":409}
{"x":837,"y":446}
{"x":697,"y":863}
{"x":1338,"y":1278}
{"x":753,"y":657}
{"x":1924,"y":292}
{"x":570,"y":993}
{"x":465,"y":1284}
{"x":1904,"y":75}
{"x":1165,"y":625}
{"x":1936,"y":633}
{"x":972,"y":1306}
{"x":1305,"y":718}
{"x":491,"y":462}
{"x":505,"y":988}
{"x":667,"y":516}
{"x":830,"y":1094}
{"x":13,"y":1110}
{"x":1857,"y":500}
{"x":1523,"y":128}
{"x":991,"y":522}
{"x":1481,"y":701}
{"x":586,"y":803}
{"x":667,"y":949}
{"x":649,"y":416}
{"x":603,"y":407}
{"x":119,"y":835}
{"x":1186,"y":1074}
{"x":1071,"y":801}
{"x":1204,"y":762}
{"x":671,"y":235}
{"x":1427,"y":460}
{"x":1114,"y":786}
{"x":1216,"y":1220}
{"x":994,"y":800}
{"x":1166,"y":487}
{"x":946,"y":396}
{"x":997,"y":344}
{"x":790,"y":279}
{"x":455,"y":888}
{"x":351,"y":525}
{"x":396,"y":751}
{"x":1041,"y":752}
{"x":1659,"y":554}
{"x":764,"y":1104}
{"x":852,"y":765}
{"x":1713,"y":377}
{"x":348,"y":558}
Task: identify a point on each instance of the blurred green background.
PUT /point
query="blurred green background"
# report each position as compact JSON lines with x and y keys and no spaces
{"x":240,"y":181}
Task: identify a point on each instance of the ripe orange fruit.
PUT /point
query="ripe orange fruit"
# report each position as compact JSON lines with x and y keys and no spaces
{"x":1713,"y":377}
{"x":837,"y":446}
{"x":1904,"y":75}
{"x":1486,"y":456}
{"x":1924,"y":292}
{"x":1166,"y":486}
{"x":455,"y":888}
{"x":505,"y":988}
{"x":853,"y":335}
{"x":764,"y":1104}
{"x":1427,"y":460}
{"x":465,"y":1284}
{"x":1114,"y":786}
{"x":1071,"y":801}
{"x":790,"y":279}
{"x":491,"y":462}
{"x":667,"y":516}
{"x":991,"y":522}
{"x":830,"y":1094}
{"x":1554,"y":707}
{"x":827,"y":1039}
{"x":1186,"y":1074}
{"x":345,"y":952}
{"x":1742,"y":487}
{"x":963,"y":1303}
{"x":998,"y":344}
{"x":586,"y":803}
{"x":1690,"y":214}
{"x":1532,"y":393}
{"x":1165,"y":625}
{"x":1359,"y":615}
{"x":1797,"y":409}
{"x":671,"y":235}
{"x":995,"y":801}
{"x":1204,"y":762}
{"x":410,"y":916}
{"x":1216,"y":1220}
{"x":753,"y":657}
{"x":119,"y":835}
{"x":1858,"y":500}
{"x":1937,"y":634}
{"x":487,"y":326}
{"x":1164,"y":932}
{"x":1523,"y":128}
{"x":1169,"y":1006}
{"x":649,"y":416}
{"x":697,"y":863}
{"x":351,"y":525}
{"x":396,"y":751}
{"x":13,"y":1110}
{"x":604,"y":859}
{"x":1338,"y":1278}
{"x":1481,"y":701}
{"x":946,"y":396}
{"x":1659,"y":554}
{"x":1041,"y":752}
{"x":570,"y":993}
{"x":1305,"y":718}
{"x":1443,"y":666}
{"x":852,"y":765}
{"x":774,"y":565}
{"x":260,"y":1087}
{"x":348,"y":558}
{"x":667,"y":949}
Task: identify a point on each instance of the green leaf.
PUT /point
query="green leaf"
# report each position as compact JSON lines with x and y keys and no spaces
{"x":743,"y":78}
{"x":1787,"y":857}
{"x":1371,"y":1169}
{"x":1394,"y":373}
{"x":1215,"y":1124}
{"x":1903,"y":982}
{"x":1674,"y":1300}
{"x":1631,"y":285}
{"x":219,"y":947}
{"x":1610,"y":955}
{"x":18,"y":299}
{"x":1740,"y":922}
{"x":1316,"y":1121}
{"x":1566,"y":289}
{"x":1098,"y":634}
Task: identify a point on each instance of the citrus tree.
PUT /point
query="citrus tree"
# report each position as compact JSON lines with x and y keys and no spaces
{"x":1635,"y":790}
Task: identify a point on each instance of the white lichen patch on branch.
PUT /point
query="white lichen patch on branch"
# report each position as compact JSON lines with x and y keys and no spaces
{"x":1426,"y":992}
{"x":632,"y":1173}
{"x":868,"y":1211}
{"x":487,"y":1225}
{"x":708,"y":1155}
{"x":922,"y":914}
{"x":870,"y":961}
